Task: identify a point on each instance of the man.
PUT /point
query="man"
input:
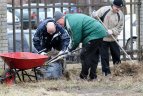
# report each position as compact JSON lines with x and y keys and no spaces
{"x":113,"y":18}
{"x":50,"y":35}
{"x":88,"y":31}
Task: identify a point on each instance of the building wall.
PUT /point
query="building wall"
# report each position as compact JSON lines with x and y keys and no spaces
{"x":141,"y":23}
{"x":3,"y":29}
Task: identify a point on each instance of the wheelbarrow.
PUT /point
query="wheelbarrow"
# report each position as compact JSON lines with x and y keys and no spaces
{"x":20,"y":62}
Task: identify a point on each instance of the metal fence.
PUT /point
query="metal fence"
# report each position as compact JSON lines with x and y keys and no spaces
{"x":32,"y":12}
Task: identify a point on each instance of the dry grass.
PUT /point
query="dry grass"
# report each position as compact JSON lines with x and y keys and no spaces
{"x":126,"y":69}
{"x":126,"y":79}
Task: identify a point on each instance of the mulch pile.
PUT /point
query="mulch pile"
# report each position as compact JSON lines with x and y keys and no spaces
{"x":127,"y":69}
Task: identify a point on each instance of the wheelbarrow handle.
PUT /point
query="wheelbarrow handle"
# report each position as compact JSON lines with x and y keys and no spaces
{"x":59,"y":56}
{"x":42,"y":51}
{"x":56,"y":57}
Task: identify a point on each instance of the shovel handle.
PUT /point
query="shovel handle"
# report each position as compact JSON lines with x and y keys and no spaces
{"x":59,"y":56}
{"x":116,"y":41}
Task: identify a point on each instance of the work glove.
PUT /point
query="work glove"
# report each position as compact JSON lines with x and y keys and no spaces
{"x":43,"y":53}
{"x":110,"y":32}
{"x":94,"y":14}
{"x":64,"y":52}
{"x":61,"y":52}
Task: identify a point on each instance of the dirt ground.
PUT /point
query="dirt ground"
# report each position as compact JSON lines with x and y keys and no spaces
{"x":108,"y":92}
{"x":125,"y":80}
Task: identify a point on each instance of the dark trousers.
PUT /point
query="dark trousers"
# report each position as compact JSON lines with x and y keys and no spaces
{"x":115,"y":53}
{"x":89,"y":59}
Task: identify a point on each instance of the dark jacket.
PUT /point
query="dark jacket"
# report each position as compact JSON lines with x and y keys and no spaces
{"x":43,"y":40}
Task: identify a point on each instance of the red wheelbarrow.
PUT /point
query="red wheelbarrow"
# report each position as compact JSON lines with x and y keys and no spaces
{"x":20,"y":62}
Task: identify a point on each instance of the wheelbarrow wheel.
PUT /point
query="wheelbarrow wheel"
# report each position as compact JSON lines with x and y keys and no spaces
{"x":8,"y":76}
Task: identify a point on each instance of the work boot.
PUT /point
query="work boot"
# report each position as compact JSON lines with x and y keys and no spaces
{"x":107,"y":73}
{"x":83,"y":76}
{"x":92,"y":79}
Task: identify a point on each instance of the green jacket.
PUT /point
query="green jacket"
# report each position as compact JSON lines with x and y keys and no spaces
{"x":83,"y":28}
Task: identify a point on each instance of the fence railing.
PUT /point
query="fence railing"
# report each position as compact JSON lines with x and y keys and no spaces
{"x":31,"y":14}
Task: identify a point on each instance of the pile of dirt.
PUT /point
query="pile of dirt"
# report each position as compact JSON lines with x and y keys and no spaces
{"x":71,"y":73}
{"x":126,"y":69}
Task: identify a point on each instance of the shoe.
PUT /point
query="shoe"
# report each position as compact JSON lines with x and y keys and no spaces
{"x":95,"y":79}
{"x":83,"y":77}
{"x":106,"y":73}
{"x":81,"y":80}
{"x":109,"y":77}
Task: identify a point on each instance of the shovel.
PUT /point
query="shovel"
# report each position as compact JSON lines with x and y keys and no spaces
{"x":57,"y":57}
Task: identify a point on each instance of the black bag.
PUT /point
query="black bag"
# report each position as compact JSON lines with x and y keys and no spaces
{"x":51,"y":71}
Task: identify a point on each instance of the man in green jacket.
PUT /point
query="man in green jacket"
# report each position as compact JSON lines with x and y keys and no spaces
{"x":88,"y":31}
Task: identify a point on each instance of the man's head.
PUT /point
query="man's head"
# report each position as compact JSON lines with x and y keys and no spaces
{"x":51,"y":28}
{"x":117,"y":5}
{"x":59,"y":18}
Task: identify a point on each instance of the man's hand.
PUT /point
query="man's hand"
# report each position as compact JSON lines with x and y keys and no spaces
{"x":43,"y":53}
{"x":61,"y":52}
{"x":94,"y":14}
{"x":110,"y":32}
{"x":64,"y":52}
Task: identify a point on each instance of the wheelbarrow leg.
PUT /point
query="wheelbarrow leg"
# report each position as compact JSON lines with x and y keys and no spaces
{"x":35,"y":74}
{"x":16,"y":71}
{"x":23,"y":75}
{"x":27,"y":75}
